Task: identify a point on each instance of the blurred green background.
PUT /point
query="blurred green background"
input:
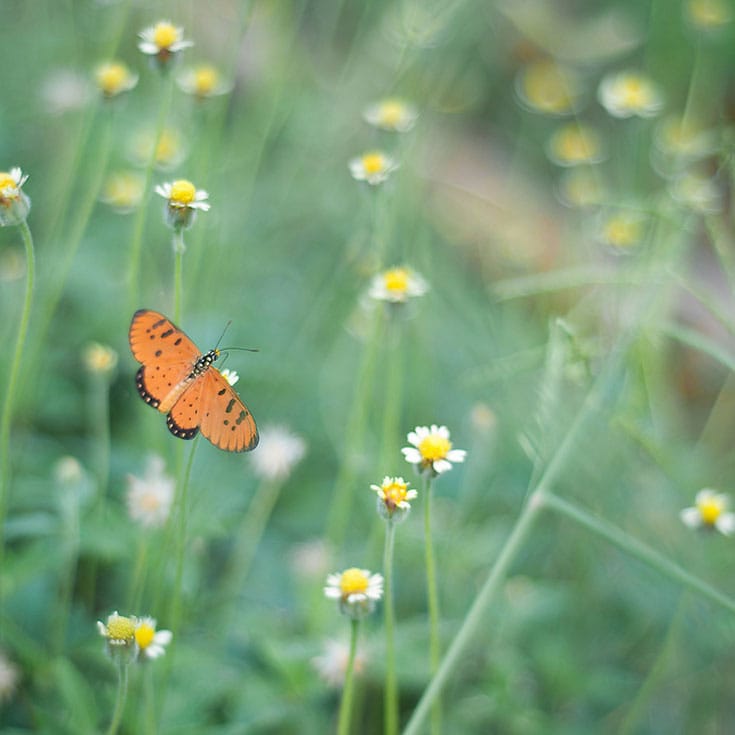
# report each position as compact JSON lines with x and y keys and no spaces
{"x":526,"y":310}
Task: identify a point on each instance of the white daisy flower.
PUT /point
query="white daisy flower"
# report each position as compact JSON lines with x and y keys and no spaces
{"x":391,"y":114}
{"x":123,"y":191}
{"x":163,"y":41}
{"x":356,"y":589}
{"x":183,"y":201}
{"x":574,"y":145}
{"x":279,"y":451}
{"x":710,"y":511}
{"x":630,"y":93}
{"x":114,"y":78}
{"x":397,"y":285}
{"x":14,"y":204}
{"x":230,"y":376}
{"x":151,"y":642}
{"x":203,"y":81}
{"x":331,"y":665}
{"x":149,"y":499}
{"x":373,"y":167}
{"x":432,"y":451}
{"x":548,"y":88}
{"x":394,"y":498}
{"x":119,"y":634}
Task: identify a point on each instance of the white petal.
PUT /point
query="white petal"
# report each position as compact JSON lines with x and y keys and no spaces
{"x":691,"y":517}
{"x":726,"y":523}
{"x":333,"y":593}
{"x":441,"y":465}
{"x":163,"y":637}
{"x":456,"y":455}
{"x":441,"y":431}
{"x":412,"y":455}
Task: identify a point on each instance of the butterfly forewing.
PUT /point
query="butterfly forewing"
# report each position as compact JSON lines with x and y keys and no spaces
{"x":185,"y":416}
{"x":226,"y":420}
{"x":155,"y":340}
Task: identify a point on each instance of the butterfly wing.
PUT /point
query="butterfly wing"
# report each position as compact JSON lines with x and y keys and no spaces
{"x":225,"y":419}
{"x":167,"y":355}
{"x":185,"y":416}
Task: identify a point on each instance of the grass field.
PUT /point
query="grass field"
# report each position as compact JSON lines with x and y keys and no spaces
{"x":510,"y":221}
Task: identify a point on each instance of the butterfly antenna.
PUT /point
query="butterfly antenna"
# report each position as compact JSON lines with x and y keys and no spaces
{"x":227,"y":326}
{"x":242,"y":349}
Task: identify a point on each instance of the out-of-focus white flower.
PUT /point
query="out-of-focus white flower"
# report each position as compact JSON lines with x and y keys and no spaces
{"x":630,"y":93}
{"x":548,"y":88}
{"x":151,"y":642}
{"x":374,"y":167}
{"x":573,"y":145}
{"x":432,"y":451}
{"x":391,"y":114}
{"x":149,"y":498}
{"x":710,"y":512}
{"x":163,"y":41}
{"x":279,"y":451}
{"x":397,"y":285}
{"x":9,"y":677}
{"x":203,"y":81}
{"x":356,"y":589}
{"x":331,"y":665}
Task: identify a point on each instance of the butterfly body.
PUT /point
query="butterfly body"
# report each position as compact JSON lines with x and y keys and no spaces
{"x":177,"y":379}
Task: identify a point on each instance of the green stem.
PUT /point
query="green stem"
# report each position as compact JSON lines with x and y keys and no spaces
{"x":391,"y":686}
{"x":345,"y":707}
{"x":179,"y":248}
{"x":138,"y":578}
{"x":10,"y":391}
{"x":122,"y":693}
{"x":476,"y":614}
{"x":393,"y":387}
{"x":100,"y":419}
{"x":251,"y":532}
{"x":136,"y":244}
{"x":433,"y":600}
{"x":635,"y":548}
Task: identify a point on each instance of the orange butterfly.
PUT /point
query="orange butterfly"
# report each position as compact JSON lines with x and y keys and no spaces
{"x":178,"y":380}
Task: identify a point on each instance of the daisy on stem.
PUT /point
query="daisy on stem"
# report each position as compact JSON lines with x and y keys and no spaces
{"x":119,"y":634}
{"x":710,"y":512}
{"x":431,"y":453}
{"x":357,"y":591}
{"x":163,"y":42}
{"x":393,"y":506}
{"x":14,"y":209}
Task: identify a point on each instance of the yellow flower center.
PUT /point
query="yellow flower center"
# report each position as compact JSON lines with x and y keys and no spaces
{"x":395,"y":492}
{"x":353,"y":580}
{"x":434,"y":447}
{"x":7,"y":181}
{"x":100,"y":359}
{"x":123,"y":190}
{"x":144,"y":635}
{"x":373,"y":163}
{"x":634,"y":92}
{"x":150,"y":502}
{"x":120,"y":628}
{"x":396,"y":280}
{"x":710,"y":509}
{"x":576,"y":145}
{"x":205,"y":80}
{"x":165,"y":35}
{"x":183,"y":192}
{"x":548,"y":88}
{"x":111,"y":78}
{"x":391,"y":113}
{"x":622,"y":232}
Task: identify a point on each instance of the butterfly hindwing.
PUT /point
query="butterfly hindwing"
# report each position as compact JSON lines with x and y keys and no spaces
{"x":185,"y":416}
{"x":226,"y":420}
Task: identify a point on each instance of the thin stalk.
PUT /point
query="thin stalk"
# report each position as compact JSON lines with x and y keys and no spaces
{"x":393,"y":387}
{"x":179,"y":248}
{"x":167,"y":83}
{"x":354,"y":432}
{"x":251,"y":532}
{"x":391,"y":686}
{"x":636,"y":548}
{"x":476,"y":615}
{"x":11,"y":389}
{"x":432,"y":594}
{"x":100,"y":421}
{"x":345,"y":707}
{"x":138,"y":579}
{"x":122,"y":693}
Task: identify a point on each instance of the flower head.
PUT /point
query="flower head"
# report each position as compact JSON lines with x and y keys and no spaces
{"x":581,"y":187}
{"x":432,"y":451}
{"x":119,"y":633}
{"x":99,"y":359}
{"x":710,"y":512}
{"x":149,"y":498}
{"x":169,"y":148}
{"x":394,"y":498}
{"x":184,"y":199}
{"x":573,"y":144}
{"x":397,"y":285}
{"x":356,"y":589}
{"x":163,"y":41}
{"x":630,"y":93}
{"x":203,"y":81}
{"x":391,"y":114}
{"x":230,"y":376}
{"x":14,"y":204}
{"x":279,"y":451}
{"x":708,"y":15}
{"x":548,"y":88}
{"x":151,"y":642}
{"x":114,"y":78}
{"x":622,"y":229}
{"x":123,"y":191}
{"x":697,"y":191}
{"x":373,"y":167}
